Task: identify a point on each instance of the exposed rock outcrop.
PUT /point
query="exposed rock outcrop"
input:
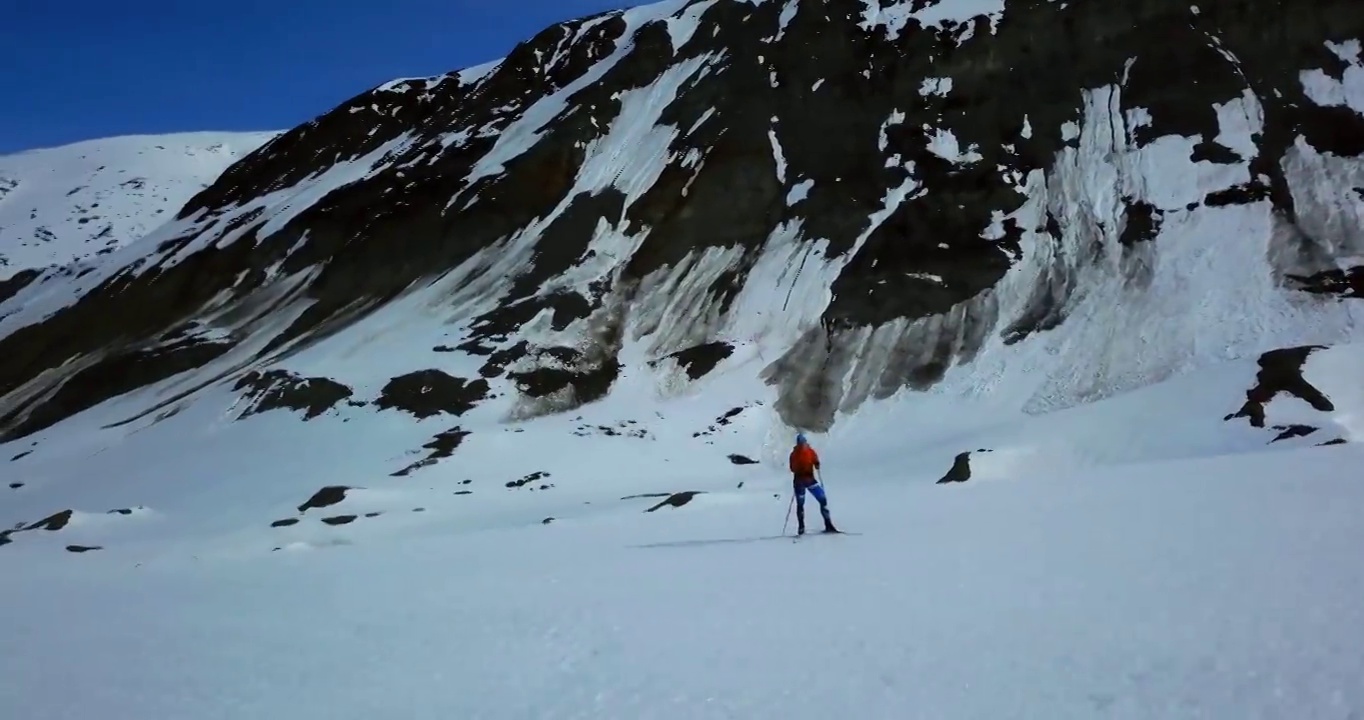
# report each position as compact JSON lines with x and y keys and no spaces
{"x":441,"y":446}
{"x":326,"y":497}
{"x":1281,"y":372}
{"x":676,"y":500}
{"x":274,"y":389}
{"x":908,"y":178}
{"x":698,"y":360}
{"x":431,"y":392}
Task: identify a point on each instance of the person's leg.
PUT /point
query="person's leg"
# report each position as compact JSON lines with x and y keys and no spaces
{"x":818,"y":491}
{"x":799,"y":490}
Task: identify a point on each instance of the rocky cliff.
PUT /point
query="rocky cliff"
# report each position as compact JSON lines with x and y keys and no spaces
{"x":1076,"y":197}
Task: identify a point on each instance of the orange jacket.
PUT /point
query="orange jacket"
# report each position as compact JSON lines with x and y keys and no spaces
{"x":804,"y":461}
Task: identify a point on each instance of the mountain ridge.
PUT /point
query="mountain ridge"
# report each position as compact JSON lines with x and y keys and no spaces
{"x":874,"y":201}
{"x":83,"y":199}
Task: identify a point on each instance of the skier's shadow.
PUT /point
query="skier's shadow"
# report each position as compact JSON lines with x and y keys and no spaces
{"x":719,"y":541}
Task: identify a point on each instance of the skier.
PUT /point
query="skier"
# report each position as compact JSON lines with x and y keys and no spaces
{"x":804,"y":462}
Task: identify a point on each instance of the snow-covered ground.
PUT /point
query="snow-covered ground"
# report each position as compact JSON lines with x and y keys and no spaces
{"x":1217,"y":588}
{"x":1137,"y":557}
{"x":70,"y":202}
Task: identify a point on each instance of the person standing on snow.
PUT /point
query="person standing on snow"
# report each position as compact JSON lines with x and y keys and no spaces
{"x":804,"y":462}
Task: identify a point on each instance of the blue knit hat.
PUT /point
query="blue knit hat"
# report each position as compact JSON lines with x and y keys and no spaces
{"x":800,"y":438}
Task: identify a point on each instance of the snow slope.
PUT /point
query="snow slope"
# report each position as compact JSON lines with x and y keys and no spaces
{"x":74,"y":201}
{"x":1185,"y":571}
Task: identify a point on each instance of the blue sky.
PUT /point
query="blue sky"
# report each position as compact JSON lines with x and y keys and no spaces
{"x":78,"y":69}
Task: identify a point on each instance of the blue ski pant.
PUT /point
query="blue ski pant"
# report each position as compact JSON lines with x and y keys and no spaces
{"x":816,"y":490}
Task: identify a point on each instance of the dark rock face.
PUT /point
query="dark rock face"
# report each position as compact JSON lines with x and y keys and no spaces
{"x":1347,"y":283}
{"x":646,"y":495}
{"x":1281,"y":372}
{"x":326,"y":497}
{"x":52,"y":522}
{"x":701,"y":359}
{"x":723,"y":420}
{"x":676,"y":500}
{"x":282,"y":389}
{"x":960,"y":471}
{"x":1243,"y":194}
{"x":585,"y":377}
{"x":442,"y":446}
{"x":1292,"y":431}
{"x":627,"y":428}
{"x":1143,"y":222}
{"x":428,"y":393}
{"x":11,"y":286}
{"x":433,"y":176}
{"x":116,"y":374}
{"x":531,"y":480}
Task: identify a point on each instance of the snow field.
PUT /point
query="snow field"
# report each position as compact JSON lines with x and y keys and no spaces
{"x":1214,"y":587}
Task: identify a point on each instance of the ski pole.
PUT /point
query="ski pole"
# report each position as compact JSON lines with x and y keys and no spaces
{"x":789,"y":506}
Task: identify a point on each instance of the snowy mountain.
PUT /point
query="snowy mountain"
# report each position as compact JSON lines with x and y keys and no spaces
{"x":88,"y":198}
{"x":486,"y":381}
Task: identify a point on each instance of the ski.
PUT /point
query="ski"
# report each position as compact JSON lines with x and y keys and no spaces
{"x":796,"y":538}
